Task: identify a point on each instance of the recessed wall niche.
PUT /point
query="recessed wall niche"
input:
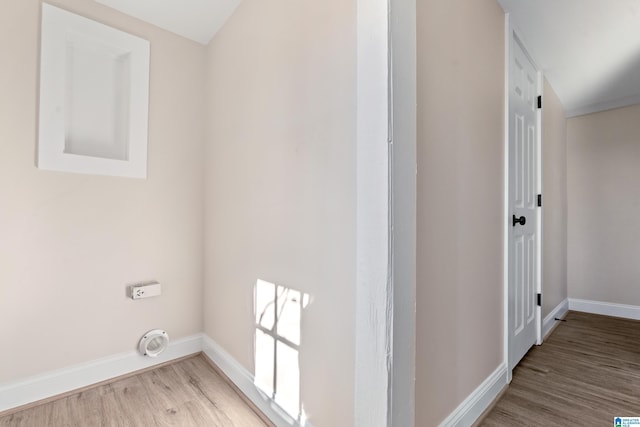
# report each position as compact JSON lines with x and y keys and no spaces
{"x":94,"y":97}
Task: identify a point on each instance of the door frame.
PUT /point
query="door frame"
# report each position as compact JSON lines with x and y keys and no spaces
{"x":510,"y":34}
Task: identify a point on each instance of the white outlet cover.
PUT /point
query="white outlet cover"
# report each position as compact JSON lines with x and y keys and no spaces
{"x":145,"y":290}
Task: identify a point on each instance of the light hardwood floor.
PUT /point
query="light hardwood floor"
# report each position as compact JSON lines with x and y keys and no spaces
{"x":186,"y":393}
{"x":586,"y":373}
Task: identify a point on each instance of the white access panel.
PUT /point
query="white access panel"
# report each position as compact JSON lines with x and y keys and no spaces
{"x":94,"y":96}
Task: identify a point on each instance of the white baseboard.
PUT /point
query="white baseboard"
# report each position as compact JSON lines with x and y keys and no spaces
{"x":50,"y":384}
{"x":550,"y":321}
{"x":477,"y":402}
{"x":33,"y":389}
{"x":605,"y":308}
{"x":243,"y":379}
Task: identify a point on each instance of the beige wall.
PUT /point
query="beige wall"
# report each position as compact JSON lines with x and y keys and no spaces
{"x":70,"y":243}
{"x":554,"y":206}
{"x":460,"y":201}
{"x":603,"y":230}
{"x":280,"y":185}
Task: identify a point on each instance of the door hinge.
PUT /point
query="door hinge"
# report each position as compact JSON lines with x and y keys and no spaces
{"x":539,"y":200}
{"x":539,"y":101}
{"x":539,"y":300}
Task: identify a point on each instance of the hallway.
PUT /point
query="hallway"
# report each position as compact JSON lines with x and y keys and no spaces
{"x":586,"y":373}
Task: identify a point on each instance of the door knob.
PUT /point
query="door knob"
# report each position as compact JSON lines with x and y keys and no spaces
{"x":522,"y":220}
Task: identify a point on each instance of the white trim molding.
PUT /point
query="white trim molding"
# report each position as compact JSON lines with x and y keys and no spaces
{"x":54,"y":383}
{"x":505,"y":201}
{"x":549,"y":321}
{"x":479,"y":400}
{"x":403,"y":211}
{"x":605,"y":308}
{"x":59,"y":382}
{"x":374,"y":282}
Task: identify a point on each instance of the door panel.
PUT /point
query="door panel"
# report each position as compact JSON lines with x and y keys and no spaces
{"x":523,"y":182}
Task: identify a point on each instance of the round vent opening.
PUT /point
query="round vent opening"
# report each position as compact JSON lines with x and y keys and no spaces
{"x":153,"y":343}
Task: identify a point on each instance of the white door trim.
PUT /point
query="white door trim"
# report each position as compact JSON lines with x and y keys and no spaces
{"x":510,"y":31}
{"x":505,"y":201}
{"x":540,"y":335}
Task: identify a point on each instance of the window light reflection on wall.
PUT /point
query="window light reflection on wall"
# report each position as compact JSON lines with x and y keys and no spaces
{"x":278,"y":317}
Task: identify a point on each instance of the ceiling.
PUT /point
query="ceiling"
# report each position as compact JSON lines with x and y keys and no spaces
{"x":198,"y":20}
{"x":588,"y":50}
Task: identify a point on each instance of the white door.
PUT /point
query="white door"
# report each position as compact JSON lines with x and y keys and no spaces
{"x":523,"y":190}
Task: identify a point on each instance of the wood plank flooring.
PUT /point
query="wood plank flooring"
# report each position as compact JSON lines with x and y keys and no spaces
{"x":586,"y":373}
{"x":187,"y":393}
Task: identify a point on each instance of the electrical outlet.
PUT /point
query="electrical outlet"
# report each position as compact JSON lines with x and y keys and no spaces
{"x":145,"y":290}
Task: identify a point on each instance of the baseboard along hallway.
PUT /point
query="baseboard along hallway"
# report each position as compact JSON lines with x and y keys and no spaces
{"x":587,"y":372}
